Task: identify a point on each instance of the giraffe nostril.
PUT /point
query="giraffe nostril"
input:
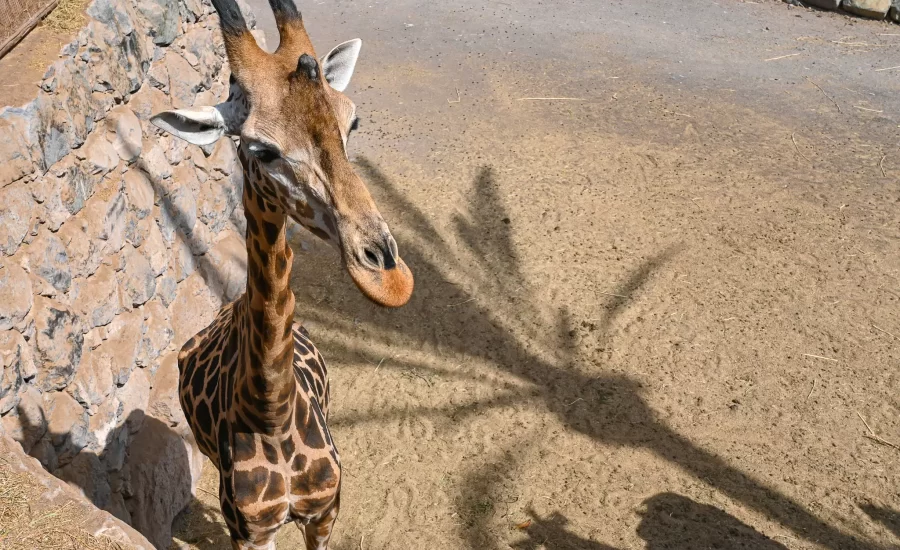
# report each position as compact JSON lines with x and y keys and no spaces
{"x":373,"y":258}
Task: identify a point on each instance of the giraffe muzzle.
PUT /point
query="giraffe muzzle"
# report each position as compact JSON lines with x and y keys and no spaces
{"x":379,"y":272}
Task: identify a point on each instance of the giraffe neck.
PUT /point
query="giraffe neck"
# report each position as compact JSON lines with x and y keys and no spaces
{"x":267,"y":345}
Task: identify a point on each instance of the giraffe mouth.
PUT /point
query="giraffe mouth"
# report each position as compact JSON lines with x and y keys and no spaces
{"x":388,"y":287}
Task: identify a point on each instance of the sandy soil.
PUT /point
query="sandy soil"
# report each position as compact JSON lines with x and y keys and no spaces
{"x":22,"y":69}
{"x":657,"y":317}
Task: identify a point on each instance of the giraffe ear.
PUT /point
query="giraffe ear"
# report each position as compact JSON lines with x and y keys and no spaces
{"x":200,"y":126}
{"x":339,"y":63}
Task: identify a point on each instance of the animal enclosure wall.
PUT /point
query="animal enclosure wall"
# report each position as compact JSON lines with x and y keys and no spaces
{"x":117,"y":244}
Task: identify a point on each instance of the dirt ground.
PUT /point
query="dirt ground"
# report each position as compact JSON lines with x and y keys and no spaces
{"x":657,"y":315}
{"x":23,"y":67}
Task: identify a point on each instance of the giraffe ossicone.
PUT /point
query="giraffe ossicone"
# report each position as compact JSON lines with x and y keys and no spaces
{"x":252,"y":385}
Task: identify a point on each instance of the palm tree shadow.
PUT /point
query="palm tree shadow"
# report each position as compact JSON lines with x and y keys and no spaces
{"x":885,"y":516}
{"x":490,"y":303}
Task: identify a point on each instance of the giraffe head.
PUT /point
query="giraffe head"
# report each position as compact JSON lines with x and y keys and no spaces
{"x":293,"y":120}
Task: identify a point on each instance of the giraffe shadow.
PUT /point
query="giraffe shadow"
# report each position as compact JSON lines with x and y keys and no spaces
{"x":675,"y":522}
{"x":484,"y":282}
{"x":200,"y":526}
{"x":488,"y":495}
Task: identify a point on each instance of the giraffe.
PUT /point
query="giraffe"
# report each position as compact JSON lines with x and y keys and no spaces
{"x":253,"y":386}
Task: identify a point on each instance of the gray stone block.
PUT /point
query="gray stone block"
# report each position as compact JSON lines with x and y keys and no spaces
{"x":873,"y":9}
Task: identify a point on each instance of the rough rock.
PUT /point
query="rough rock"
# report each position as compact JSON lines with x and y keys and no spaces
{"x":59,"y":339}
{"x":51,"y":129}
{"x":162,"y":19}
{"x":102,"y":424}
{"x":14,"y":147}
{"x":138,"y":280}
{"x":137,"y":231}
{"x":166,"y":287}
{"x":164,"y":403}
{"x":126,"y":137}
{"x":63,"y":191}
{"x":184,"y":80}
{"x":93,"y":383}
{"x":84,"y":249}
{"x":87,"y":475}
{"x":182,"y":259}
{"x":17,"y":210}
{"x":72,"y":100}
{"x":176,"y":151}
{"x":67,"y":425}
{"x":135,"y":395}
{"x":199,"y":239}
{"x":139,"y":192}
{"x":56,"y":495}
{"x":16,"y":368}
{"x":158,"y":77}
{"x":116,"y":447}
{"x":225,"y":267}
{"x":215,"y":203}
{"x":164,"y":469}
{"x":10,"y":382}
{"x":873,"y":9}
{"x":178,"y":213}
{"x":117,"y":508}
{"x":154,"y":162}
{"x":157,"y":335}
{"x":48,"y":259}
{"x":97,"y":298}
{"x":893,"y":14}
{"x":191,"y":10}
{"x":224,"y":157}
{"x":15,"y":294}
{"x":27,"y":423}
{"x":98,"y":154}
{"x":118,"y":353}
{"x":139,"y":198}
{"x":824,"y":4}
{"x":149,"y":100}
{"x":188,"y":321}
{"x":200,"y":55}
{"x":154,"y":249}
{"x":113,"y":231}
{"x":44,"y":452}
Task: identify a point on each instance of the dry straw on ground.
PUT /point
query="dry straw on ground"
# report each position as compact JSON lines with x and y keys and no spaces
{"x":68,"y":16}
{"x":54,"y":528}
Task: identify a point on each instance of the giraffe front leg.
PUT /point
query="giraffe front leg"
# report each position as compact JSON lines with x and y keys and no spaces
{"x":240,"y":538}
{"x":318,"y":532}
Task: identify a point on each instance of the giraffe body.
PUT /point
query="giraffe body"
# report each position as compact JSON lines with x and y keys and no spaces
{"x":255,"y":391}
{"x":252,"y":385}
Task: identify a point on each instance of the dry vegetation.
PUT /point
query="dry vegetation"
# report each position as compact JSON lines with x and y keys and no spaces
{"x":68,"y":16}
{"x":54,"y":528}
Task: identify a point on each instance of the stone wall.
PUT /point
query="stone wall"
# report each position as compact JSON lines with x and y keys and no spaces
{"x":873,"y":9}
{"x":117,"y":244}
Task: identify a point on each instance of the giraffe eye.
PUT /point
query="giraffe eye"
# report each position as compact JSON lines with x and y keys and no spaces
{"x":264,"y":153}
